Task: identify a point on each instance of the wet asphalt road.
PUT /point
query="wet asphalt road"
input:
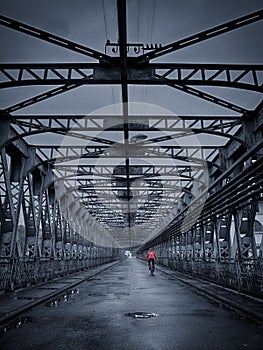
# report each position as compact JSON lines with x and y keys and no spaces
{"x":96,"y":317}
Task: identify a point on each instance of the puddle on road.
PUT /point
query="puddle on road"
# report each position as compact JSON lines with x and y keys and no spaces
{"x":48,"y":288}
{"x":141,"y":314}
{"x":14,"y":324}
{"x":62,"y":298}
{"x":98,"y":294}
{"x":16,"y":297}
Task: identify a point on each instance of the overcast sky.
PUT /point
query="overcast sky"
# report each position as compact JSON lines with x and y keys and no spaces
{"x":149,"y":21}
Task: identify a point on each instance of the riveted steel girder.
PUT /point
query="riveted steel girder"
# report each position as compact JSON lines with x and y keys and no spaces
{"x":122,"y":185}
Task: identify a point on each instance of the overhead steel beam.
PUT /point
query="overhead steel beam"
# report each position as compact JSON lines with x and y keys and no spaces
{"x":54,"y":39}
{"x":191,"y":132}
{"x":247,"y":77}
{"x":88,"y":81}
{"x":61,"y":130}
{"x":148,"y":171}
{"x":176,"y":125}
{"x":54,"y":117}
{"x":70,"y":132}
{"x":41,"y":97}
{"x":205,"y":96}
{"x":68,"y":127}
{"x":202,"y":36}
{"x":122,"y":31}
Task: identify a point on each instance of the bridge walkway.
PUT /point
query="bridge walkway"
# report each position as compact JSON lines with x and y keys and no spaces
{"x":120,"y":306}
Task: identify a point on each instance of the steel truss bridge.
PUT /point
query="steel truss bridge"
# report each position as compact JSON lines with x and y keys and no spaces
{"x":77,"y":190}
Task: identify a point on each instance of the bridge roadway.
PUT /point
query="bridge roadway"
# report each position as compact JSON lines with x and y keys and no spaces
{"x":99,"y":313}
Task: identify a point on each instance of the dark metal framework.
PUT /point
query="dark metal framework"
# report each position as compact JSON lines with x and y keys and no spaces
{"x":95,"y":193}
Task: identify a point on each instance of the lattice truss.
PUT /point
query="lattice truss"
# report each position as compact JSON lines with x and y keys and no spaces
{"x":126,"y":173}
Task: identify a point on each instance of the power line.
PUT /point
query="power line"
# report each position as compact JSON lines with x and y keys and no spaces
{"x":153,"y":16}
{"x":149,"y":30}
{"x":104,"y":17}
{"x":107,"y":36}
{"x":150,"y":26}
{"x":148,"y":20}
{"x":138,"y":21}
{"x":138,"y":37}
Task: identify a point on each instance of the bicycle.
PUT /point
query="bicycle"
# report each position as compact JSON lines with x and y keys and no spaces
{"x":151,"y":267}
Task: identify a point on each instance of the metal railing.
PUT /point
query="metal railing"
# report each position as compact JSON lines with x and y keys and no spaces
{"x":20,"y":273}
{"x":244,"y":276}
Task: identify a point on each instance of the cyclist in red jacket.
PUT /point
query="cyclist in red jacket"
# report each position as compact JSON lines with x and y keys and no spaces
{"x":151,"y":256}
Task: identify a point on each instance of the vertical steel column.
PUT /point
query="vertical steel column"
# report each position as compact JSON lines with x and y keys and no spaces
{"x":239,"y":257}
{"x":216,"y":241}
{"x":7,"y":208}
{"x":58,"y":226}
{"x":237,"y":222}
{"x":46,"y":226}
{"x":30,"y":218}
{"x":202,"y":239}
{"x":17,"y":183}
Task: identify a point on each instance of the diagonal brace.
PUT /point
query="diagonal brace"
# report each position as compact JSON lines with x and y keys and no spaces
{"x":204,"y":35}
{"x":54,"y":39}
{"x":205,"y":96}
